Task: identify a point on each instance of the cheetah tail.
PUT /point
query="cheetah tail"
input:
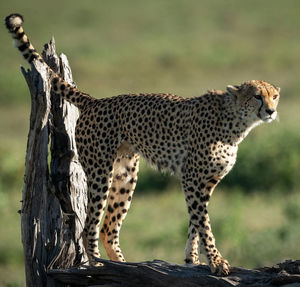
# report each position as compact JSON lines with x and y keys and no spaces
{"x":14,"y":24}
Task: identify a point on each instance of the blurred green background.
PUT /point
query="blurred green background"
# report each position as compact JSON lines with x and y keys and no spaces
{"x":181,"y":47}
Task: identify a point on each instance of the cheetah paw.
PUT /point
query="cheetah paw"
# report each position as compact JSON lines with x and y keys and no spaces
{"x":192,"y":262}
{"x":94,"y":261}
{"x":221,"y":267}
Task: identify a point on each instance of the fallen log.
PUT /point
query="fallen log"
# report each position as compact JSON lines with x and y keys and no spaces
{"x":160,"y":273}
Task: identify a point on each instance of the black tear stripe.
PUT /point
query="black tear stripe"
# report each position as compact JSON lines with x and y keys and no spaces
{"x":259,"y":110}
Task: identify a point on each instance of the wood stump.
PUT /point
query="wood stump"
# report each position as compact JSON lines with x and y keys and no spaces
{"x":54,"y":197}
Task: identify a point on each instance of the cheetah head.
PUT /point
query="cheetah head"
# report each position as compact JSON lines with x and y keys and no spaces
{"x":257,"y":100}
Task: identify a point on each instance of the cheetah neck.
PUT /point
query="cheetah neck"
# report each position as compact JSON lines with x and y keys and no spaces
{"x":243,"y":128}
{"x":239,"y":125}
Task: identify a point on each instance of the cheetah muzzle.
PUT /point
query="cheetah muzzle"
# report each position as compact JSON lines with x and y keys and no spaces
{"x":195,"y":138}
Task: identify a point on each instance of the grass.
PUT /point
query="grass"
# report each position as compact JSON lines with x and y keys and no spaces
{"x":186,"y":47}
{"x":155,"y":46}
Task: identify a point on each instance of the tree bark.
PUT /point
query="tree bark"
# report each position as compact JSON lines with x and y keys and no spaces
{"x":54,"y":203}
{"x":159,"y":274}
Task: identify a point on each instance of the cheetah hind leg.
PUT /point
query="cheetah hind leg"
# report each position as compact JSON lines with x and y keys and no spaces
{"x":192,"y":247}
{"x":125,"y":171}
{"x":97,"y":198}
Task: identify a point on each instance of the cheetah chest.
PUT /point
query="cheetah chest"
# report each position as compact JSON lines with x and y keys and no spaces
{"x":222,"y":158}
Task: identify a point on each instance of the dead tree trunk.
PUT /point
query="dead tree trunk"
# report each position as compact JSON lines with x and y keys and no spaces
{"x":54,"y":203}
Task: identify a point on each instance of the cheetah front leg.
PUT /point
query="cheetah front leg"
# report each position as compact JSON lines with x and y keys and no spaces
{"x":197,"y":194}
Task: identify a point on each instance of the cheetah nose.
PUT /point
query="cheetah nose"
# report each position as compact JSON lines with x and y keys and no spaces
{"x":270,"y":111}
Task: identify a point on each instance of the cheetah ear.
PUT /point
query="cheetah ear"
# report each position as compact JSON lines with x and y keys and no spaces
{"x":234,"y":90}
{"x":278,"y":89}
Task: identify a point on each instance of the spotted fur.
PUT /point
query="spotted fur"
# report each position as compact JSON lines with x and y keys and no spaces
{"x":195,"y":138}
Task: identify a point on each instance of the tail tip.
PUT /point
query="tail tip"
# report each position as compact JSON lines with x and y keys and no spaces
{"x":14,"y":21}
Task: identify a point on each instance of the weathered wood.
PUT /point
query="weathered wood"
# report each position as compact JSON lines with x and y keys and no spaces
{"x":54,"y":204}
{"x":159,"y":273}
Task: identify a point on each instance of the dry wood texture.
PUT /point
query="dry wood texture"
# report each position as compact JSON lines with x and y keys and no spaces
{"x":54,"y":202}
{"x":159,"y":273}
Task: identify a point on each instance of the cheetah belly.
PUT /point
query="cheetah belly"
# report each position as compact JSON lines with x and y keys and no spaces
{"x":163,"y":155}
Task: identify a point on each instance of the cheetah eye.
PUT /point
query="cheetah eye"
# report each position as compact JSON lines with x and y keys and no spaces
{"x":275,"y":97}
{"x":258,"y":97}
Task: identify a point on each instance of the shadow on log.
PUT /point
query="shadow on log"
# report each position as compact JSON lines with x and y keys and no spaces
{"x":159,"y":273}
{"x":54,"y":209}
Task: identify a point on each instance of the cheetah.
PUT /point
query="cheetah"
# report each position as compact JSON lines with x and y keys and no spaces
{"x":195,"y":138}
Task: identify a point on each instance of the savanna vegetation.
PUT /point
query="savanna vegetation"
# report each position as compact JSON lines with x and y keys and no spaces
{"x":182,"y":47}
